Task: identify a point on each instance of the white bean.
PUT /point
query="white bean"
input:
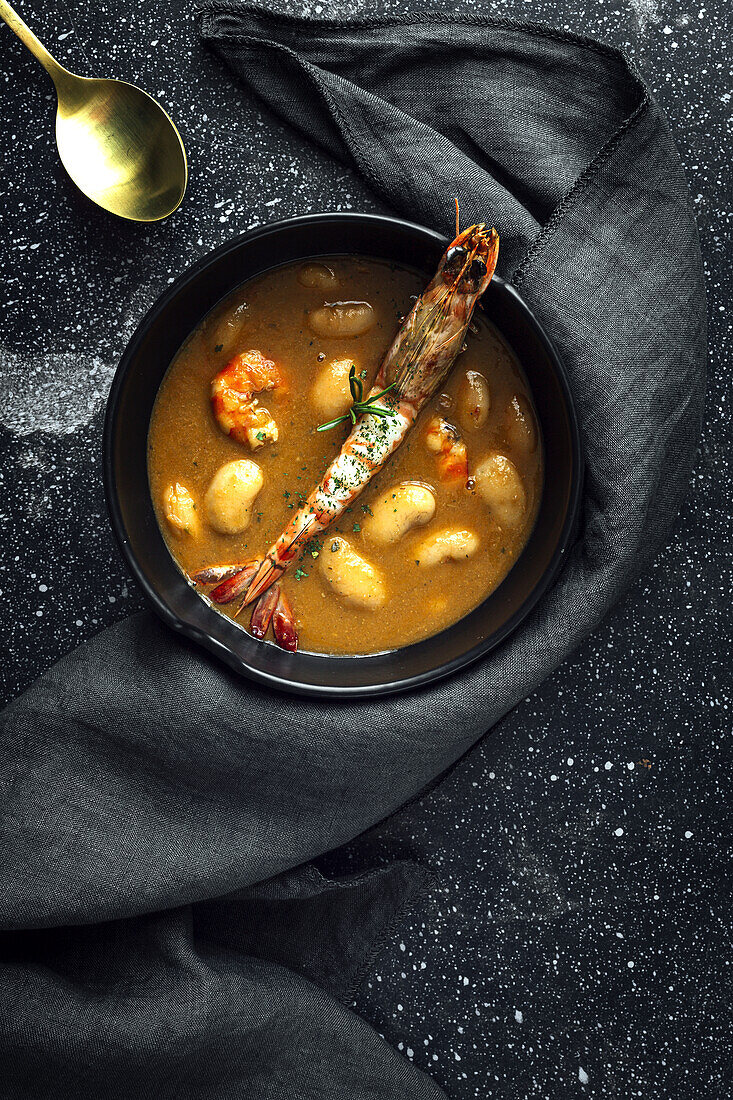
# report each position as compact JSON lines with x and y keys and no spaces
{"x":317,"y":275}
{"x":228,"y":333}
{"x":230,"y":495}
{"x":180,"y":510}
{"x":354,"y":579}
{"x":331,"y":393}
{"x":405,"y":506}
{"x":451,"y":544}
{"x":520,"y":429}
{"x":340,"y":319}
{"x":498,"y":483}
{"x":474,"y":400}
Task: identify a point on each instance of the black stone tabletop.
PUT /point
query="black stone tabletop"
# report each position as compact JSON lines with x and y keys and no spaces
{"x":578,"y":938}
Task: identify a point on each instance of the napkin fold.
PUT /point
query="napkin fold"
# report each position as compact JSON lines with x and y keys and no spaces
{"x":148,"y":794}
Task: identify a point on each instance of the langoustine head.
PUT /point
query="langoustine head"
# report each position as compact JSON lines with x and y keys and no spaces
{"x":469,"y":261}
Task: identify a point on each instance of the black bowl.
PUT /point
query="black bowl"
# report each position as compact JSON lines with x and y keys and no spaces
{"x":153,"y":346}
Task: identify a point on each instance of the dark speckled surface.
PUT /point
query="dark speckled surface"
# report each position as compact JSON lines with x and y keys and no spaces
{"x":579,"y":940}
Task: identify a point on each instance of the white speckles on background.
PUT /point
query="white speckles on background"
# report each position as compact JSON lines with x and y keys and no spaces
{"x":56,"y":393}
{"x":576,"y":942}
{"x":647,"y":11}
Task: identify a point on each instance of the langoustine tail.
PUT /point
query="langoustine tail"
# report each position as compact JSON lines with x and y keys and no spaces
{"x":263,"y":611}
{"x":272,"y":607}
{"x":303,"y":527}
{"x":283,"y":624}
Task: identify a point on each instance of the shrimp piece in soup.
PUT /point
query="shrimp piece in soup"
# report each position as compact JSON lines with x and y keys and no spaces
{"x":237,"y":411}
{"x":180,"y":510}
{"x":444,"y":440}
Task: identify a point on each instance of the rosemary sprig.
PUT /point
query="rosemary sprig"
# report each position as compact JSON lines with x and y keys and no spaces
{"x":359,"y":404}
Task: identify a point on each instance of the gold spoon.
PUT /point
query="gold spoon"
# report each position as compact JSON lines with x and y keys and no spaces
{"x":118,"y":145}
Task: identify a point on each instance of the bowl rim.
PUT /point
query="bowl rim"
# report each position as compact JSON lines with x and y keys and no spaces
{"x":219,"y":648}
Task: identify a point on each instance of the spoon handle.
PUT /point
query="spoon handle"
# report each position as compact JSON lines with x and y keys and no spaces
{"x":57,"y":72}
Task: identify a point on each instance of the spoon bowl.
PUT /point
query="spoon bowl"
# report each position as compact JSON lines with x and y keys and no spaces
{"x":115,"y":141}
{"x":120,"y":148}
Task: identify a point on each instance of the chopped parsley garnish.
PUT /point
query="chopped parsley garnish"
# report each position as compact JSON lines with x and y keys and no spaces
{"x":300,"y":573}
{"x":357,"y":527}
{"x":261,"y":436}
{"x":218,"y":347}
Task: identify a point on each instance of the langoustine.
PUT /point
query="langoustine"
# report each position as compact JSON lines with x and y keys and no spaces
{"x":415,"y":366}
